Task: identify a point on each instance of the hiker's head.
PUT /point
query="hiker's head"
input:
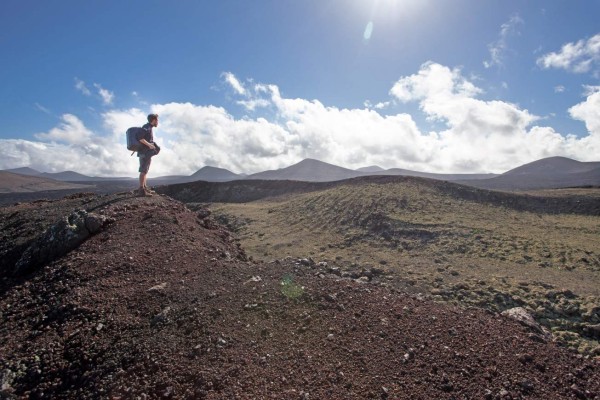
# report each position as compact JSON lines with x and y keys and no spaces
{"x":153,"y":119}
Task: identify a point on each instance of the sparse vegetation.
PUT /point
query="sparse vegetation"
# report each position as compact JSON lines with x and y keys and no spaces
{"x":429,"y":238}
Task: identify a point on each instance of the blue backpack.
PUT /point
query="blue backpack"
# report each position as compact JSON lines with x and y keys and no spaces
{"x":133,"y":143}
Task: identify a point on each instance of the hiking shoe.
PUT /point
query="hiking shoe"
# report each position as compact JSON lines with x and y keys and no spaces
{"x":149,"y":190}
{"x":141,"y":192}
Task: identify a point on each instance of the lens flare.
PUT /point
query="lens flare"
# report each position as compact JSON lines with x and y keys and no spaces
{"x":368,"y":31}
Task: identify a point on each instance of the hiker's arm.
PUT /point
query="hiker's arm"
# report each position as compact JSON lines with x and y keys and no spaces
{"x":146,"y":143}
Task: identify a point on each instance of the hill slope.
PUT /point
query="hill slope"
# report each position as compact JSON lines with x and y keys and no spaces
{"x":16,"y":183}
{"x":213,"y":174}
{"x":160,"y":303}
{"x":462,"y":245}
{"x":552,"y":172}
{"x":308,"y":170}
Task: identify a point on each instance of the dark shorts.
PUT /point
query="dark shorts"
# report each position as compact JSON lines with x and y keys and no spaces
{"x":145,"y":164}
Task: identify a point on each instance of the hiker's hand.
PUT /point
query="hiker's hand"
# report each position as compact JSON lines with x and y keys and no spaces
{"x":151,"y":146}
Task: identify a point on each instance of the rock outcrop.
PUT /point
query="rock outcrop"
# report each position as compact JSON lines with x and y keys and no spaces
{"x":65,"y":235}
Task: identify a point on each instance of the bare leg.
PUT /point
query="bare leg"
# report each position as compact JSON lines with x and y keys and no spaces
{"x":143,"y":176}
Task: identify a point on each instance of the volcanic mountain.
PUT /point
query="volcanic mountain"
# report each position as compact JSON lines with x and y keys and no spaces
{"x":214,"y":174}
{"x":308,"y":170}
{"x":552,"y":172}
{"x":17,"y":183}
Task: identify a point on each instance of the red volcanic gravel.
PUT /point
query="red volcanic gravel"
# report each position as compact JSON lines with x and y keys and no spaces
{"x":162,"y":303}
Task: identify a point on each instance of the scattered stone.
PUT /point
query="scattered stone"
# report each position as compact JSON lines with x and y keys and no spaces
{"x":330,"y":297}
{"x":203,"y":213}
{"x":158,"y":288}
{"x":521,"y":315}
{"x":253,"y":279}
{"x":162,"y":317}
{"x":307,"y":262}
{"x":384,"y":392}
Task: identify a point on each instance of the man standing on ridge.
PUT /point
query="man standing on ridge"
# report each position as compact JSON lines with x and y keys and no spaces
{"x":146,"y":137}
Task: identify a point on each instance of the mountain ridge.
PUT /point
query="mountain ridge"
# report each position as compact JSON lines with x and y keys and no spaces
{"x":17,"y":183}
{"x":551,"y":172}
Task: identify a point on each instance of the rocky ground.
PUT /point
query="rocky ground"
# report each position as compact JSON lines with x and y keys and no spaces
{"x":144,"y":298}
{"x":460,"y":245}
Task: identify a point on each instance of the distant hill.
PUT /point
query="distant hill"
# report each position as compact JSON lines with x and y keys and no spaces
{"x":208,"y":174}
{"x":442,"y":177}
{"x":547,"y":173}
{"x":70,"y":176}
{"x":65,"y":176}
{"x":309,"y":170}
{"x":553,"y":166}
{"x":214,"y":174}
{"x":372,"y":168}
{"x":24,"y":171}
{"x":16,"y":183}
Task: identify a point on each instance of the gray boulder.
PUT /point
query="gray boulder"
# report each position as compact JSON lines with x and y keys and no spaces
{"x":62,"y":237}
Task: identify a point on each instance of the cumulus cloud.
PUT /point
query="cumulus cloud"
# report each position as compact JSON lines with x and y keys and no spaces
{"x":473,"y":134}
{"x":70,"y":146}
{"x":588,"y":111}
{"x":70,"y":131}
{"x":577,"y":57}
{"x":485,"y":135}
{"x":499,"y":48}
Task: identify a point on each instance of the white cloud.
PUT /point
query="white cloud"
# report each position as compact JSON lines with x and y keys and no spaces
{"x":485,"y":135}
{"x":106,"y":95}
{"x":433,"y":80}
{"x":378,"y":106}
{"x":70,"y":131}
{"x":70,"y":146}
{"x":499,"y":48}
{"x":589,"y":112}
{"x":577,"y":57}
{"x":81,"y":86}
{"x":559,"y":89}
{"x":252,"y":105}
{"x":474,"y":135}
{"x":235,"y":84}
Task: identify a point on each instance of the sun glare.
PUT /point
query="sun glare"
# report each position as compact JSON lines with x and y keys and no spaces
{"x":391,"y":12}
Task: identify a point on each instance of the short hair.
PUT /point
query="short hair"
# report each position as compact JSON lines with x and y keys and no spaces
{"x":152,"y":117}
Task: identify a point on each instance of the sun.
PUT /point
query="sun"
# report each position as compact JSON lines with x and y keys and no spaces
{"x":392,"y":12}
{"x":397,"y":9}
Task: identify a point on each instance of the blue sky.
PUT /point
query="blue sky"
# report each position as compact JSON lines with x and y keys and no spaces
{"x":440,"y":86}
